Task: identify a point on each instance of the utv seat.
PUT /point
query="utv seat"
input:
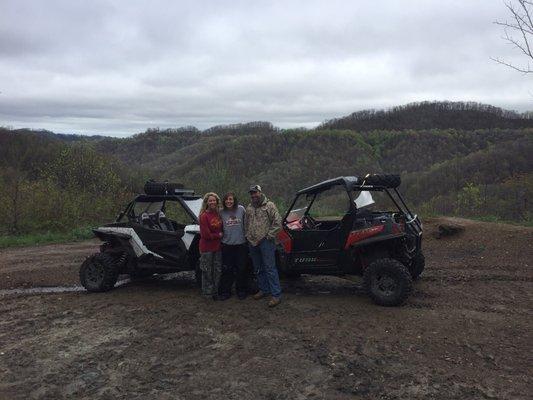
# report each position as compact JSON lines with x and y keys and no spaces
{"x":163,"y":222}
{"x":363,"y":219}
{"x":147,"y":222}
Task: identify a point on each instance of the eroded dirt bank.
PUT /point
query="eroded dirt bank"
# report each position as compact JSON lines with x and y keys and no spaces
{"x":465,"y":333}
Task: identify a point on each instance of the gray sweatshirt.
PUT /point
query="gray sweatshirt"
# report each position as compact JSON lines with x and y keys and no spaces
{"x":233,"y":221}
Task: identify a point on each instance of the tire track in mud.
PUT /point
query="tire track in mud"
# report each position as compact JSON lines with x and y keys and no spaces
{"x":51,"y":289}
{"x":498,"y":309}
{"x":477,"y":278}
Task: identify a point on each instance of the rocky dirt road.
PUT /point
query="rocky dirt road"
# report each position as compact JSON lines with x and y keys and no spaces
{"x":466,"y":332}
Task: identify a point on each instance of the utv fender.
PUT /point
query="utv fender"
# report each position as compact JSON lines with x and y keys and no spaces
{"x":364,"y":256}
{"x":416,"y":266}
{"x":105,"y":235}
{"x":134,"y":240}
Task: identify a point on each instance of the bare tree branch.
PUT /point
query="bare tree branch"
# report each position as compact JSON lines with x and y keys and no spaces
{"x":508,"y":25}
{"x":522,"y":27}
{"x":523,"y":70}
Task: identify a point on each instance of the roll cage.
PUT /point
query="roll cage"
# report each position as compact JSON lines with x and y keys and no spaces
{"x":352,"y":184}
{"x":190,"y":203}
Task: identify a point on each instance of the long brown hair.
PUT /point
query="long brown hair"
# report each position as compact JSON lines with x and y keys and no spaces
{"x":204,"y":201}
{"x":235,"y":201}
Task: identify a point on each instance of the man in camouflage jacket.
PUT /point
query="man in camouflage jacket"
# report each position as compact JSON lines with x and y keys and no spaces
{"x":262,"y":223}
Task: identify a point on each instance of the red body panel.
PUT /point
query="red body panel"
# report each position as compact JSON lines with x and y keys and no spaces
{"x":285,"y":240}
{"x":356,"y":236}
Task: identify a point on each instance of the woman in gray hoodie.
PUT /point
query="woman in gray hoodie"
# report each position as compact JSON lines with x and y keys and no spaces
{"x":234,"y":249}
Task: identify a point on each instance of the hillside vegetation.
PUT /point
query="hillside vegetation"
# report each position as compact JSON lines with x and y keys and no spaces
{"x":460,"y":159}
{"x":51,"y":185}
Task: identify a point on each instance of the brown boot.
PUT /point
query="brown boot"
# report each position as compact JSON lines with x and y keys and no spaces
{"x":259,"y":295}
{"x":274,"y":301}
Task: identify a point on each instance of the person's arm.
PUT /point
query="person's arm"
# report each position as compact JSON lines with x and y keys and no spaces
{"x":205,"y":229}
{"x":243,"y":218}
{"x":275,"y":221}
{"x":246,"y":223}
{"x":214,"y":232}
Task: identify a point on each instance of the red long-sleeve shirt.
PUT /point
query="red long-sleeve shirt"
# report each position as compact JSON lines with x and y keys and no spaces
{"x":210,"y":231}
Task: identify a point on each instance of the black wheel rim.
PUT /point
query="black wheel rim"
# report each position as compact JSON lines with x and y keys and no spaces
{"x":95,"y":273}
{"x":385,"y":284}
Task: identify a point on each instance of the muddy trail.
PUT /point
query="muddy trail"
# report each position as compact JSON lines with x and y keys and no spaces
{"x":465,"y":333}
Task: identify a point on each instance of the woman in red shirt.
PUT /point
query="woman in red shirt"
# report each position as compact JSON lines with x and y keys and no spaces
{"x":210,"y":237}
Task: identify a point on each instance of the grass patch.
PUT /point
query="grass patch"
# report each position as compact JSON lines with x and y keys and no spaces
{"x":484,"y":218}
{"x":34,"y":239}
{"x":492,"y":218}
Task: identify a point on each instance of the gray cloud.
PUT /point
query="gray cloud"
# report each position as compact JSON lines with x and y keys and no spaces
{"x":118,"y":67}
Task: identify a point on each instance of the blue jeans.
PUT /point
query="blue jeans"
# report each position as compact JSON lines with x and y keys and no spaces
{"x":264,"y":260}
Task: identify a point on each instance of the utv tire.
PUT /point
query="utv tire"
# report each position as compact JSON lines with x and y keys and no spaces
{"x":388,"y":181}
{"x":99,"y":273}
{"x":417,"y":266}
{"x":387,"y":282}
{"x":161,"y":188}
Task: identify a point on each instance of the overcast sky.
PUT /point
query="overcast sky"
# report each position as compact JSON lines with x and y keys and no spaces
{"x":119,"y":67}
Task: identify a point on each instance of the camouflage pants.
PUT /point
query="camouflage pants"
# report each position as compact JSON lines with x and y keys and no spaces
{"x":211,"y":266}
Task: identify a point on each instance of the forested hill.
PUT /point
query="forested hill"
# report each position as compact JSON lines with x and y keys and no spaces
{"x":432,"y":115}
{"x":52,"y":182}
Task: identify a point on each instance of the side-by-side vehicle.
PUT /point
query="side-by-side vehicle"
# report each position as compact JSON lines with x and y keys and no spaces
{"x":344,"y":226}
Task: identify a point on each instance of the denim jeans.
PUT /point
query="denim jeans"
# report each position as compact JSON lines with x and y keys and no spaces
{"x":264,"y":260}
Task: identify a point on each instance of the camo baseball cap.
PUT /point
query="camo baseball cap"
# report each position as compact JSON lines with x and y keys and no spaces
{"x":254,"y":188}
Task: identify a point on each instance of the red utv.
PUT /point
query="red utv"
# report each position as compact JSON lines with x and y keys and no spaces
{"x":336,"y":227}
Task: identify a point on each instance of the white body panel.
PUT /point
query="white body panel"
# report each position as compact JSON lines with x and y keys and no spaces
{"x":136,"y":243}
{"x":139,"y":248}
{"x":188,"y":236}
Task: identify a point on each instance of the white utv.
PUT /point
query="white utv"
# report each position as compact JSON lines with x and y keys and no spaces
{"x":157,"y":232}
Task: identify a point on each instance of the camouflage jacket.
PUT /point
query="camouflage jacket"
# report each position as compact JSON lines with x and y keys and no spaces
{"x":262,"y":222}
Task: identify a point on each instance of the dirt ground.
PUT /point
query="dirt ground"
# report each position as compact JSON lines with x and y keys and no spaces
{"x":466,"y":332}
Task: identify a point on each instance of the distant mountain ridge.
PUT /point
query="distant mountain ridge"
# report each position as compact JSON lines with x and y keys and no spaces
{"x":415,"y":116}
{"x":432,"y":115}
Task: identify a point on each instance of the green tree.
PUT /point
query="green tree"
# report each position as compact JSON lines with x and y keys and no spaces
{"x":469,"y":200}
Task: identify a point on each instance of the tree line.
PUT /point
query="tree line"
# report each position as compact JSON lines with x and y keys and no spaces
{"x":432,"y":115}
